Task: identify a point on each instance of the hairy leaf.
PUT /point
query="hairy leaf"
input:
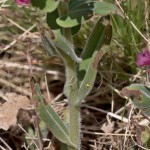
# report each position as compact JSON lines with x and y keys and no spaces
{"x":88,"y":67}
{"x":56,"y":44}
{"x":48,"y":44}
{"x":52,"y":120}
{"x":91,"y":70}
{"x":63,"y":44}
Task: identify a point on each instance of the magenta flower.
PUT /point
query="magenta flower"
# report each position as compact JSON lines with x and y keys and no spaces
{"x":23,"y":2}
{"x":143,"y":58}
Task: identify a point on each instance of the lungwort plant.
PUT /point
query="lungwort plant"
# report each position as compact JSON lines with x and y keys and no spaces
{"x":65,"y":18}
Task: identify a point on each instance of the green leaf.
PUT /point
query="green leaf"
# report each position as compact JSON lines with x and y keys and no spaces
{"x":74,"y":3}
{"x":95,"y":40}
{"x":51,"y":20}
{"x":76,"y":29}
{"x":45,"y":5}
{"x":52,"y":120}
{"x":48,"y":44}
{"x":54,"y":124}
{"x":90,"y":67}
{"x":76,"y":16}
{"x":104,"y":9}
{"x":58,"y":45}
{"x":64,"y":45}
{"x":140,"y":96}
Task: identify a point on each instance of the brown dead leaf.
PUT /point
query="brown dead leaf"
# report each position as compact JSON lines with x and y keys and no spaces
{"x":9,"y":109}
{"x":107,"y":127}
{"x":127,"y":92}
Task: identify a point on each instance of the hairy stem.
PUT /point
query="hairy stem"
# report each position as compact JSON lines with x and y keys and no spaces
{"x":74,"y":110}
{"x":71,"y":87}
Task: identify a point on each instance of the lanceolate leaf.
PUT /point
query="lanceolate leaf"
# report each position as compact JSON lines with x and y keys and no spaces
{"x":45,"y":5}
{"x":58,"y":45}
{"x":91,"y":70}
{"x":64,"y":45}
{"x":55,"y":124}
{"x":94,"y":43}
{"x":48,"y":44}
{"x":87,"y":69}
{"x":52,"y":120}
{"x":95,"y":40}
{"x":140,"y":95}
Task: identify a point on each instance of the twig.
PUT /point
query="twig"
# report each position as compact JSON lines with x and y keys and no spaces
{"x":21,"y":36}
{"x":37,"y":128}
{"x":2,"y":148}
{"x":106,"y":134}
{"x":18,"y":89}
{"x":108,"y":113}
{"x":22,"y":66}
{"x":9,"y":148}
{"x":28,"y":135}
{"x":46,"y":83}
{"x":20,"y":27}
{"x":3,"y":96}
{"x":127,"y":128}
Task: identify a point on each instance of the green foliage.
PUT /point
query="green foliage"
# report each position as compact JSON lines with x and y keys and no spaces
{"x":90,"y":74}
{"x":123,"y":31}
{"x":93,"y":47}
{"x":45,"y":5}
{"x":145,"y":137}
{"x":58,"y":45}
{"x":63,"y":44}
{"x":77,"y":15}
{"x":51,"y":20}
{"x":52,"y":120}
{"x":105,"y":9}
{"x":95,"y":40}
{"x":48,"y":44}
{"x":140,"y":94}
{"x":80,"y":72}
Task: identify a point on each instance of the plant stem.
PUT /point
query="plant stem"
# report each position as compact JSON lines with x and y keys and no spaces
{"x":74,"y":110}
{"x":62,"y":9}
{"x":71,"y":87}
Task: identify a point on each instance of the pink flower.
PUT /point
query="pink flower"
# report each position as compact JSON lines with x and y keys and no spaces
{"x":143,"y":58}
{"x":23,"y":2}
